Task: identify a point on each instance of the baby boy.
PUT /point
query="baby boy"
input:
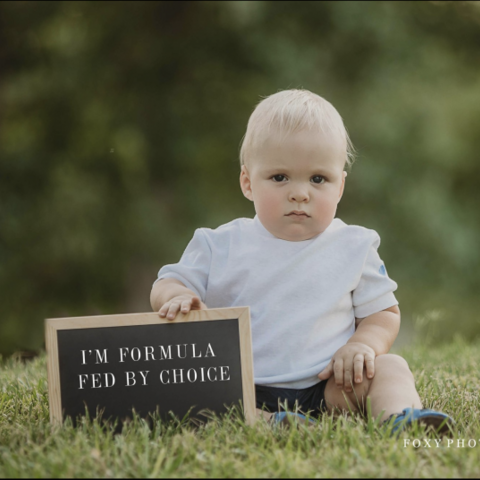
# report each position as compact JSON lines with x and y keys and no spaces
{"x":323,"y":311}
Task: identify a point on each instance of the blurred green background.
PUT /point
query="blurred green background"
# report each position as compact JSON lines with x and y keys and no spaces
{"x":120,"y":126}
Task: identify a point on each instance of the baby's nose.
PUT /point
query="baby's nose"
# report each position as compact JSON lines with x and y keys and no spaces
{"x":298,"y":196}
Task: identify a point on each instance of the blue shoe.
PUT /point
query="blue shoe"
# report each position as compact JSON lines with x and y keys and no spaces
{"x":289,"y":418}
{"x":440,"y":422}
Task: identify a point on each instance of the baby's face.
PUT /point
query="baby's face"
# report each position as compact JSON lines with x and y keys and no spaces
{"x":296,"y":183}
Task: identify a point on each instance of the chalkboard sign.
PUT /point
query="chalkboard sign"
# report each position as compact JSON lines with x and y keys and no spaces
{"x":141,"y":362}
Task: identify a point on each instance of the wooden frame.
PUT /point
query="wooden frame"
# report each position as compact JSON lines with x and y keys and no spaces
{"x":53,"y":325}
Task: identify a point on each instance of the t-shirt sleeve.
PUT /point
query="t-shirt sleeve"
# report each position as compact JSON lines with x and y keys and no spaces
{"x":374,"y":291}
{"x":194,"y":266}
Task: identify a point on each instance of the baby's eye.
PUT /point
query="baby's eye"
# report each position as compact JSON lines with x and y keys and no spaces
{"x":318,"y":179}
{"x":278,"y":178}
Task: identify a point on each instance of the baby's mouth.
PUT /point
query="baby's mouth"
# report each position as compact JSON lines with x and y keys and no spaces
{"x":297,"y":213}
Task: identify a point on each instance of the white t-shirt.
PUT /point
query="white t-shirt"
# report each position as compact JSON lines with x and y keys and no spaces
{"x":303,"y":296}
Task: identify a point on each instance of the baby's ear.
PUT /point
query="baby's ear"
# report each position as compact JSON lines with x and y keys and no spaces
{"x":342,"y":187}
{"x":245,"y":183}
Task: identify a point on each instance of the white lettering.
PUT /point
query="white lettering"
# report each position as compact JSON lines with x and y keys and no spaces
{"x":101,"y":359}
{"x":192,"y":375}
{"x":161,"y":377}
{"x":130,"y":378}
{"x":123,"y":353}
{"x":144,"y":375}
{"x":149,"y":353}
{"x":188,"y":375}
{"x":474,"y":443}
{"x":463,"y":443}
{"x":82,"y":380}
{"x":112,"y":377}
{"x":209,"y":349}
{"x":224,"y":373}
{"x":415,"y":445}
{"x":135,"y":352}
{"x":438,"y":442}
{"x":95,"y":380}
{"x":178,"y":372}
{"x":194,"y":351}
{"x":163,"y":353}
{"x":208,"y":373}
{"x":184,"y":351}
{"x":427,"y":443}
{"x":84,"y":361}
{"x":449,"y":442}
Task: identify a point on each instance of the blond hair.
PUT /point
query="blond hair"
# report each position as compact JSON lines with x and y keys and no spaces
{"x":290,"y":111}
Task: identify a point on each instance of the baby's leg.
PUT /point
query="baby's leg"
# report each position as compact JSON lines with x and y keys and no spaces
{"x":391,"y":389}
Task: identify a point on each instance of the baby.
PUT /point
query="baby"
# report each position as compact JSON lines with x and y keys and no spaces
{"x":323,"y":311}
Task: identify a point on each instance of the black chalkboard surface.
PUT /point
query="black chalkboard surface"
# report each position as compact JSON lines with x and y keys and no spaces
{"x":119,"y":363}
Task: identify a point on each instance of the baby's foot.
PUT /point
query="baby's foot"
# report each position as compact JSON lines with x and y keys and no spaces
{"x":440,"y":422}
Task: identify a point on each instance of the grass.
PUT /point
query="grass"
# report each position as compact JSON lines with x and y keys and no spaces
{"x":447,"y":379}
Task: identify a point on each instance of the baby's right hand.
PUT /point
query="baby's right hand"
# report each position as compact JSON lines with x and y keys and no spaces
{"x":183,"y":303}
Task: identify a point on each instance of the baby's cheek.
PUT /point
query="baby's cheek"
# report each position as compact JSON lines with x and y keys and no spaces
{"x":268,"y":206}
{"x":326,"y":211}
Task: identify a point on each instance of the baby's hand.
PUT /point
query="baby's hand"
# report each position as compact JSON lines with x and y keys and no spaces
{"x":348,"y":362}
{"x":183,"y":303}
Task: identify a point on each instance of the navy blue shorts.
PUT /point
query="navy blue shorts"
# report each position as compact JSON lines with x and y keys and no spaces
{"x":308,"y":400}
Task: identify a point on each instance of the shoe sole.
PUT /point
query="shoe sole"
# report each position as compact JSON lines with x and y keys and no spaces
{"x":436,"y":423}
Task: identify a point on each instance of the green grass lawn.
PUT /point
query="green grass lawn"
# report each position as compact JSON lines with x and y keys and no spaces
{"x":447,"y":379}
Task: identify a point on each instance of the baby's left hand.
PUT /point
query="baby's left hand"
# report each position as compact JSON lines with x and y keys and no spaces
{"x":347,"y":365}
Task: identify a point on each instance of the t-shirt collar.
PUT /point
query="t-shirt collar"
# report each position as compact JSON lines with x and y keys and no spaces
{"x":260,"y":229}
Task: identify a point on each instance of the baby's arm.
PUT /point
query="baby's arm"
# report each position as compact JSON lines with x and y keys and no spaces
{"x":169,"y":295}
{"x":374,"y":336}
{"x":379,"y":330}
